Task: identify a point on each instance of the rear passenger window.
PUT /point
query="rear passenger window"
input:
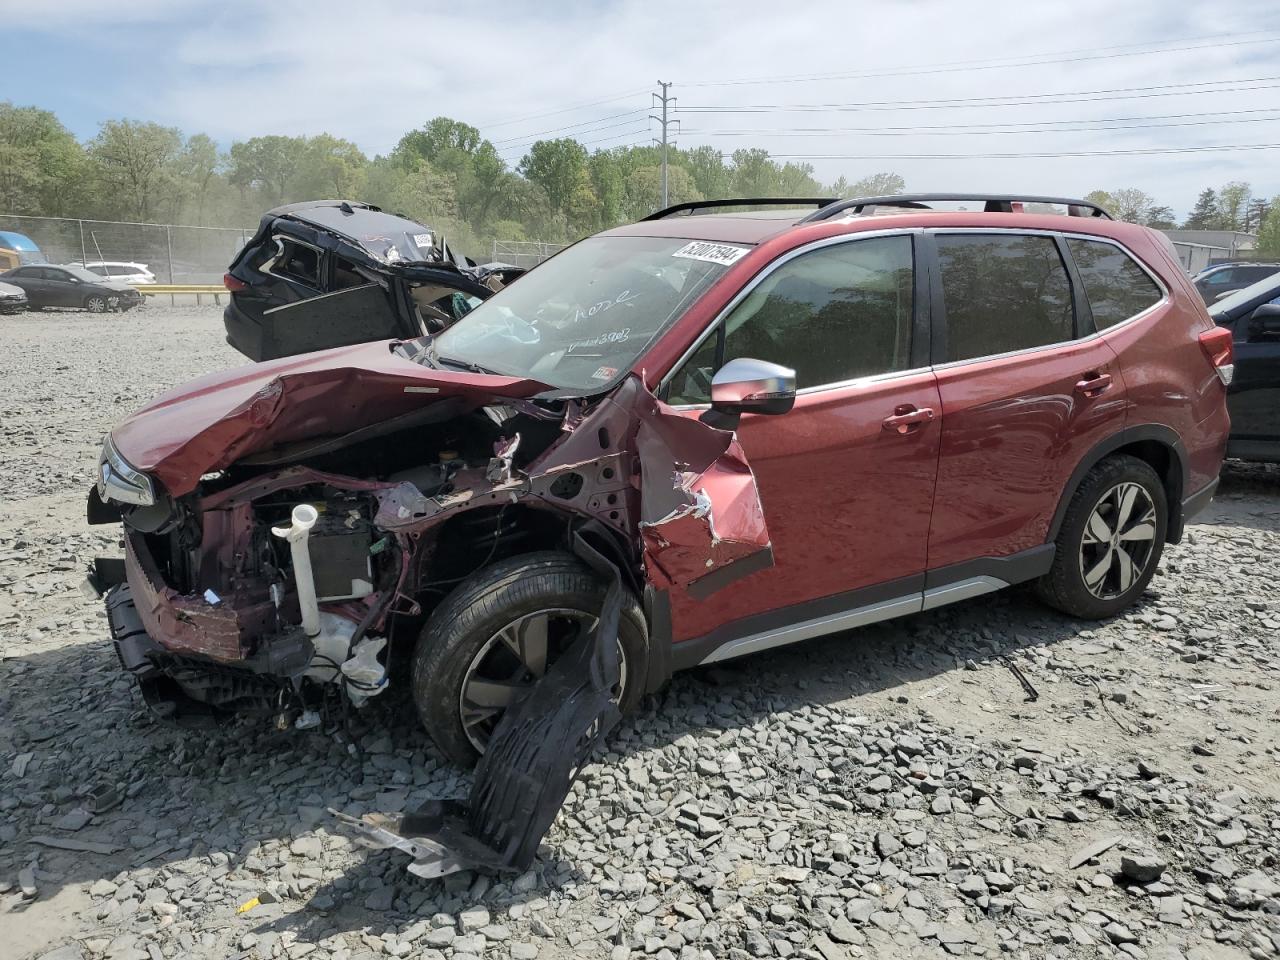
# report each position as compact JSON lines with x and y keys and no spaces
{"x":1116,"y":286}
{"x":1003,"y":293}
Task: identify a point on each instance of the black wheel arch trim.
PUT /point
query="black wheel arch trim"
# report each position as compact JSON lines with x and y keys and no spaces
{"x":1176,"y":483}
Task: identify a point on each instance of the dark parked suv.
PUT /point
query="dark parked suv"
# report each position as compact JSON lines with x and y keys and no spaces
{"x":773,"y":425}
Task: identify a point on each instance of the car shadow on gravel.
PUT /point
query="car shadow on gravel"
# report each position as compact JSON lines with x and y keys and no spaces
{"x":229,"y":803}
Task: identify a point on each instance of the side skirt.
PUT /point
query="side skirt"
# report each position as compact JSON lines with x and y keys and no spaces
{"x":860,"y":608}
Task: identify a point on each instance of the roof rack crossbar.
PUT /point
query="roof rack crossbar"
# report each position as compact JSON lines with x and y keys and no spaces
{"x":693,"y":205}
{"x":992,"y":203}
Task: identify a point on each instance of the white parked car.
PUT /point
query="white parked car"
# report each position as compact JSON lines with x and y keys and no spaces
{"x":125,"y":271}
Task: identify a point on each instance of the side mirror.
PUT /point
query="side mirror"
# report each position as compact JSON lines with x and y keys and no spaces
{"x":752,"y":386}
{"x":1264,"y":324}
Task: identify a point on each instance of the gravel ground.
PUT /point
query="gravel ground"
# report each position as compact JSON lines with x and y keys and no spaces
{"x":884,"y":793}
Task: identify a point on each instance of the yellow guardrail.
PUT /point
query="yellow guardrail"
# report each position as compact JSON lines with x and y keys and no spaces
{"x":172,"y":290}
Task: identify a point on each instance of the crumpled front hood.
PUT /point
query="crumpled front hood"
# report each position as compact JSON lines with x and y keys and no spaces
{"x":210,"y":423}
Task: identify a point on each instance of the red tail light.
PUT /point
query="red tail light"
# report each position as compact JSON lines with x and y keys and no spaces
{"x":1217,"y":346}
{"x":234,"y":284}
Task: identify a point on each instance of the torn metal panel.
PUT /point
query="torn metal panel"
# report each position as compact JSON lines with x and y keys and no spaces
{"x":700,"y":509}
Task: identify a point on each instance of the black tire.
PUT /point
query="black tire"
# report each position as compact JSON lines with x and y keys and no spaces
{"x":1079,"y":549}
{"x":487,"y":602}
{"x":95,"y":303}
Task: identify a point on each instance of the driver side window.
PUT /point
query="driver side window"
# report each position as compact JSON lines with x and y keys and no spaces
{"x":833,"y":314}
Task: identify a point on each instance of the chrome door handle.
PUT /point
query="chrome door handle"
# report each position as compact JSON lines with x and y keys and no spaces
{"x":1093,"y":384}
{"x":908,"y":418}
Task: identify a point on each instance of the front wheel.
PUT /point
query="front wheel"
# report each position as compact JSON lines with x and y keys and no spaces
{"x":96,"y":303}
{"x":1110,"y":541}
{"x":497,"y":633}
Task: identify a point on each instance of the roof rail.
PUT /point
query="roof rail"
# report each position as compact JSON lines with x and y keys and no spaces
{"x":992,"y":203}
{"x":692,"y":205}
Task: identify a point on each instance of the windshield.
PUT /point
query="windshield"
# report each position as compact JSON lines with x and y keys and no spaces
{"x":581,"y":319}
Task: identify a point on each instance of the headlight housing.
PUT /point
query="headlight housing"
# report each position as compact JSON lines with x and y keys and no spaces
{"x":120,"y":481}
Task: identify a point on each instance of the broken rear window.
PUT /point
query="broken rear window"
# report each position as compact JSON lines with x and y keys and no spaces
{"x":580,"y":320}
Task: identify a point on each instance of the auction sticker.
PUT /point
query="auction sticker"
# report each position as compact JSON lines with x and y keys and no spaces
{"x":721,"y":253}
{"x":605,"y":373}
{"x":423,"y":240}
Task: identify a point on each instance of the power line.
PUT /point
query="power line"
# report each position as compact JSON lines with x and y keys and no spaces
{"x":1030,"y":99}
{"x":1000,"y":63}
{"x":576,"y":106}
{"x":515,"y":141}
{"x":516,"y":152}
{"x":1217,"y":148}
{"x":1010,"y":123}
{"x":927,"y":132}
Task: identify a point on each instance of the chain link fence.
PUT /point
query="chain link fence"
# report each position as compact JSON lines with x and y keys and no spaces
{"x":523,"y":253}
{"x":174,"y":253}
{"x":185,"y":254}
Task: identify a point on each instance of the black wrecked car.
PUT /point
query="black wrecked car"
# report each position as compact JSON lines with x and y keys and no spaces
{"x":331,"y":273}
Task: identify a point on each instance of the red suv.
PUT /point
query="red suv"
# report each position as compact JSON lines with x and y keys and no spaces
{"x":775,"y":424}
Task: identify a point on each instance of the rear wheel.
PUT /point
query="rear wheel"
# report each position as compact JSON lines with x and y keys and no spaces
{"x":497,"y":633}
{"x":1110,"y":542}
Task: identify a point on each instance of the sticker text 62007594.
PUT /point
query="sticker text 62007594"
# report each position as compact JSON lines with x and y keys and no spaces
{"x":721,"y":253}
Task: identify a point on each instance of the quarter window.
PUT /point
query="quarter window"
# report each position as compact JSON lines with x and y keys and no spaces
{"x":298,"y":262}
{"x":1116,"y":286}
{"x":833,"y":314}
{"x":1003,"y":293}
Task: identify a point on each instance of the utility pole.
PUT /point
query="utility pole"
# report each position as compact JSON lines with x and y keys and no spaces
{"x":665,"y":99}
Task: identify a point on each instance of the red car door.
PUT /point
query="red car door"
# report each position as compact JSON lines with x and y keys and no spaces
{"x":846,"y":478}
{"x":1023,"y":396}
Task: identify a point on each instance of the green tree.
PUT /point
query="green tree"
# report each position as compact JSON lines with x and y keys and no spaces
{"x":876,"y":185}
{"x":711,"y":177}
{"x":1102,"y":199}
{"x":267,"y":163}
{"x":42,"y":167}
{"x":559,"y":167}
{"x":197,"y":166}
{"x":440,"y":136}
{"x":754,"y":174}
{"x":1204,"y":215}
{"x":1269,"y":232}
{"x":136,"y":166}
{"x":1131,"y":204}
{"x":1233,"y":201}
{"x":643,"y":191}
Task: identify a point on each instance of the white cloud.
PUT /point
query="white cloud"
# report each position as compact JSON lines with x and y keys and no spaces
{"x":371,"y":71}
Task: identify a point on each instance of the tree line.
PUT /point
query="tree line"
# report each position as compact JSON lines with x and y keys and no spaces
{"x":444,"y":174}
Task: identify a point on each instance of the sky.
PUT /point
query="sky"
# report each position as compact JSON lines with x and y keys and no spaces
{"x":1002,"y":96}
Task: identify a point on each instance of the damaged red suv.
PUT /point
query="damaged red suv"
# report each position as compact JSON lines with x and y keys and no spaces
{"x":772,"y":424}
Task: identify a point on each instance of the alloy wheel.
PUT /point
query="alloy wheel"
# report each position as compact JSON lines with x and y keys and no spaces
{"x":96,"y":304}
{"x":1118,"y":541}
{"x":512,"y":660}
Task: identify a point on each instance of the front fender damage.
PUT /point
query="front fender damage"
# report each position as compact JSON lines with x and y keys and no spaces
{"x":700,"y":526}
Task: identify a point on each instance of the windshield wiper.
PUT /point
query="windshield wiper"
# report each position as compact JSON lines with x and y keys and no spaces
{"x":465,"y":365}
